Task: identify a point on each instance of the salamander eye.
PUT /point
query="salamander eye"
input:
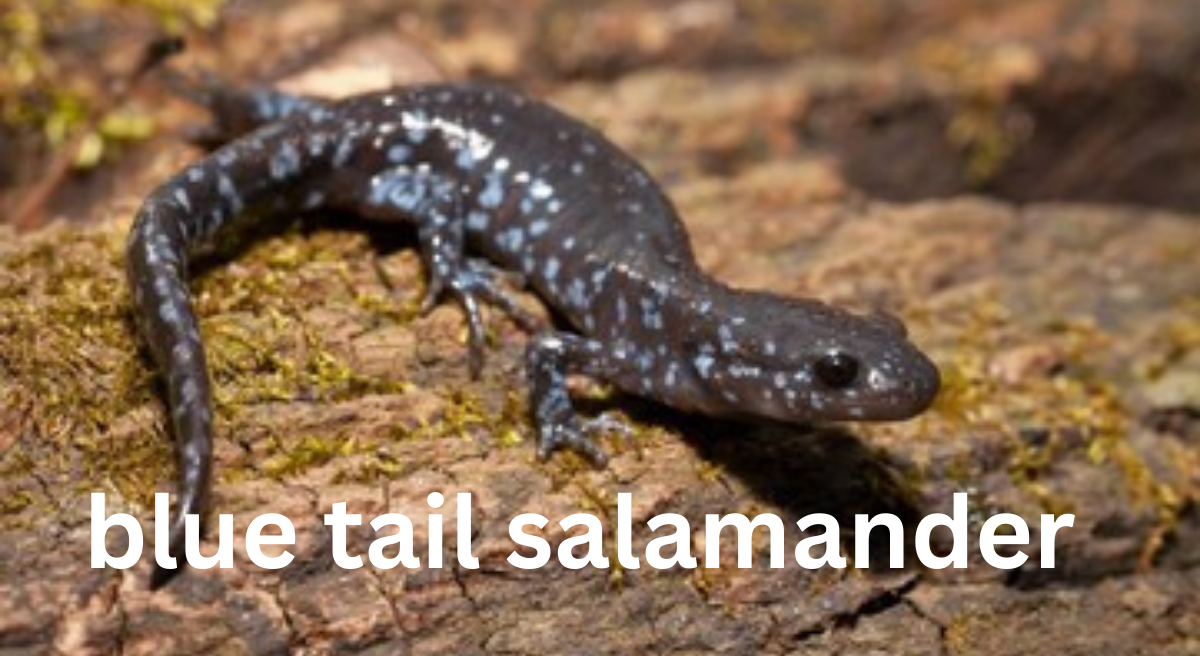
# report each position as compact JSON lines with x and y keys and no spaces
{"x":836,"y":370}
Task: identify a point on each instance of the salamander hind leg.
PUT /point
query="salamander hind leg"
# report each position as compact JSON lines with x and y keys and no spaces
{"x":550,"y":358}
{"x":469,"y":281}
{"x":432,"y":202}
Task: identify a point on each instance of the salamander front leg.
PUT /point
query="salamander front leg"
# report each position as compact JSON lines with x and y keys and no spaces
{"x":550,"y":358}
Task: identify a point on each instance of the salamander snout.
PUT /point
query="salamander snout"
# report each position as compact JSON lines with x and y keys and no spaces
{"x":900,"y":385}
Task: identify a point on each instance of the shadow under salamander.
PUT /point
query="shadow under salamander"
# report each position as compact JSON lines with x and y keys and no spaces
{"x":800,"y":470}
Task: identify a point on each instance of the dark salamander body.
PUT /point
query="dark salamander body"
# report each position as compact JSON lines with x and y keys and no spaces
{"x":494,"y":181}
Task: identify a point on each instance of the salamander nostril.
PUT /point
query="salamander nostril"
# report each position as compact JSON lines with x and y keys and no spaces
{"x":836,"y":370}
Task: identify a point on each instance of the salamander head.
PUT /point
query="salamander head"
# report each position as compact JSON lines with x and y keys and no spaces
{"x":801,"y":361}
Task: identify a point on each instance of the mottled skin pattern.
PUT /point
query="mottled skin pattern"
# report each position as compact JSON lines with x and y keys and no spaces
{"x":493,"y":181}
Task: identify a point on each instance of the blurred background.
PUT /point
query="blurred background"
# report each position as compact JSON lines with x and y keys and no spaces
{"x":1023,"y":99}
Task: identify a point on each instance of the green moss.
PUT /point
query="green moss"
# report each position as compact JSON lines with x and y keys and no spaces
{"x":177,"y":15}
{"x":309,"y":452}
{"x":1073,"y":408}
{"x":11,"y":504}
{"x":41,"y":90}
{"x":981,"y":83}
{"x":513,"y":420}
{"x":84,"y":396}
{"x":71,"y":365}
{"x":1176,"y":340}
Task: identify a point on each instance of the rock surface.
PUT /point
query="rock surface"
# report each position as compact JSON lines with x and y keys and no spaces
{"x":1068,"y":333}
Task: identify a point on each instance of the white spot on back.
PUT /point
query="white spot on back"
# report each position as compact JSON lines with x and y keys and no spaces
{"x":477,"y":221}
{"x":399,"y":153}
{"x":540,"y":189}
{"x":181,"y":197}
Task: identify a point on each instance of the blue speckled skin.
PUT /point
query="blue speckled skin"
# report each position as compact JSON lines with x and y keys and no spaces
{"x":494,"y":181}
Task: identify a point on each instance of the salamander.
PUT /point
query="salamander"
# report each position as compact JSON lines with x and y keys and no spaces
{"x":494,"y":182}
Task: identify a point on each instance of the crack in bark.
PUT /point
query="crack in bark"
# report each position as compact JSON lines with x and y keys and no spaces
{"x":122,"y":637}
{"x":942,"y":628}
{"x":394,"y":612}
{"x":456,"y":573}
{"x":879,"y":603}
{"x":294,"y":638}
